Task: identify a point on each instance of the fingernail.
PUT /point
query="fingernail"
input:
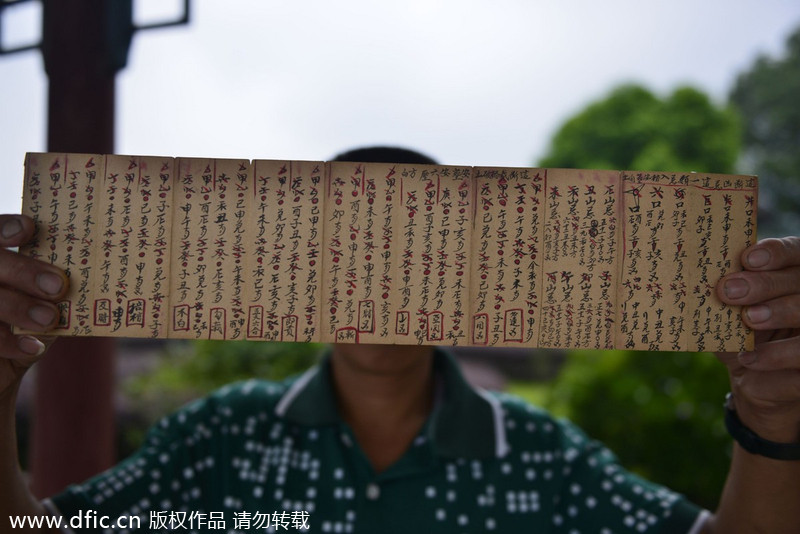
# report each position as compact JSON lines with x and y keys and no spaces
{"x":758,"y":314}
{"x":748,"y":358}
{"x":42,"y":315}
{"x":736,"y":288}
{"x":11,"y":228}
{"x":758,"y":258}
{"x":49,"y":283}
{"x":30,"y":345}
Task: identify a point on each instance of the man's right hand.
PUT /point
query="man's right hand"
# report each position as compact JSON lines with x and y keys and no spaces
{"x":28,"y":291}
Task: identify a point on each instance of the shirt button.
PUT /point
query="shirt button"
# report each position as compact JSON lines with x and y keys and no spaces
{"x":373,"y":491}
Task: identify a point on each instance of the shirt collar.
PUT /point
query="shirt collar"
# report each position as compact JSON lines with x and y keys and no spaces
{"x":466,"y":422}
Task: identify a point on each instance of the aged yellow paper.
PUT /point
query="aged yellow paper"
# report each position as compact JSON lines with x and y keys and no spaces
{"x":581,"y":259}
{"x":434,"y":232}
{"x":62,"y":194}
{"x":131,"y":253}
{"x":206,"y":248}
{"x":360,"y":260}
{"x":206,"y":281}
{"x":678,"y":241}
{"x":506,"y":256}
{"x":283,"y":251}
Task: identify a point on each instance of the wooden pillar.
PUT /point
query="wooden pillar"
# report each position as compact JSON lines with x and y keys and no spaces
{"x":73,"y":427}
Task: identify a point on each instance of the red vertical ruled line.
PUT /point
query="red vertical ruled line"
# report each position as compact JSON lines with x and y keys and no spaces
{"x":64,"y":176}
{"x":402,"y":198}
{"x":474,"y":185}
{"x":363,"y":177}
{"x":26,"y":180}
{"x":540,"y":274}
{"x":255,"y":177}
{"x":139,"y":177}
{"x":621,"y":215}
{"x":754,"y":216}
{"x":64,"y":183}
{"x":438,"y":187}
{"x":473,"y":246}
{"x":621,"y":230}
{"x":214,"y":177}
{"x":328,"y":171}
{"x":102,"y":180}
{"x":291,"y":177}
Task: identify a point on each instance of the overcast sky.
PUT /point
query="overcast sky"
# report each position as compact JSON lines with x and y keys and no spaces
{"x":470,"y":82}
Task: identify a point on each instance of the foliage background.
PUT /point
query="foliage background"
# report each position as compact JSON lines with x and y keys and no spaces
{"x":767,"y":97}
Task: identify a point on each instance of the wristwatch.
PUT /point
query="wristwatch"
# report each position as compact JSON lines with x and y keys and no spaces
{"x":752,"y":442}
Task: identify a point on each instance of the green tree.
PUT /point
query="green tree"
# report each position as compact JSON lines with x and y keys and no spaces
{"x":768,"y":98}
{"x":660,"y":412}
{"x":633,"y":129}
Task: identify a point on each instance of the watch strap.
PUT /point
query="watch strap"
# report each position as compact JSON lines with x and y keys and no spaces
{"x":752,"y":442}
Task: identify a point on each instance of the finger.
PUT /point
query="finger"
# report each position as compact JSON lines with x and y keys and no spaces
{"x":761,"y":386}
{"x":15,"y":230}
{"x":783,"y":312}
{"x":762,"y":336}
{"x":782,"y":354}
{"x":746,"y":288}
{"x":32,"y":276}
{"x":771,"y":254}
{"x":23,"y":348}
{"x":26,"y":312}
{"x":767,"y":388}
{"x":28,"y":346}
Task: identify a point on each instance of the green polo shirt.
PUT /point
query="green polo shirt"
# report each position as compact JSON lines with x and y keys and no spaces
{"x":482,"y":463}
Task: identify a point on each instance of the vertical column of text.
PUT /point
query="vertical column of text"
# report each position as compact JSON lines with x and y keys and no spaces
{"x":723,"y":224}
{"x":434,"y":231}
{"x":60,"y":194}
{"x":580,"y":259}
{"x":655,"y":269}
{"x":507,"y":234}
{"x":135,"y":214}
{"x":206,"y":292}
{"x":285,"y":240}
{"x":359,"y":256}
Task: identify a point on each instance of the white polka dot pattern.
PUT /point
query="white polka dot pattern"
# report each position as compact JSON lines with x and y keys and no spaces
{"x":230,"y":453}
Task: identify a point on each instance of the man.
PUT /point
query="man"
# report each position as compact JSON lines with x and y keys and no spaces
{"x":383,"y":438}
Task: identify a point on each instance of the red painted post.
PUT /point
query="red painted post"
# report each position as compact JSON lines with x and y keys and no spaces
{"x":73,"y":428}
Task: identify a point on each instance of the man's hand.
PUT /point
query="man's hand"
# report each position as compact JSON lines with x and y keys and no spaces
{"x":766,"y":381}
{"x":28,"y":290}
